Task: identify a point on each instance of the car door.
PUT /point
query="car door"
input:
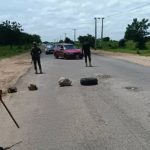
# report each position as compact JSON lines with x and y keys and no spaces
{"x":58,"y":50}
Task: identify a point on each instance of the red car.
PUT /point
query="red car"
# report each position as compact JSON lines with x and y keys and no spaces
{"x":65,"y":51}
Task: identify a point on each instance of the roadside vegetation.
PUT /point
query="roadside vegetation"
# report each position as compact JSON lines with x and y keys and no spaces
{"x":7,"y":51}
{"x":13,"y":40}
{"x":136,"y":40}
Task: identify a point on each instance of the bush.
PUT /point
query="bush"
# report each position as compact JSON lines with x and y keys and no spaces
{"x":107,"y":45}
{"x":148,"y":45}
{"x":131,"y":45}
{"x":122,"y":43}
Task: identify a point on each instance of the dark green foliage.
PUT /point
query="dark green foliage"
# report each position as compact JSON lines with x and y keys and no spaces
{"x":106,"y":39}
{"x":11,"y":33}
{"x":61,"y":41}
{"x":68,"y":40}
{"x":137,"y":32}
{"x":122,"y":43}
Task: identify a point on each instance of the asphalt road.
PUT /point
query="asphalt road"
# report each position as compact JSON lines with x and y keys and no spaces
{"x":103,"y":117}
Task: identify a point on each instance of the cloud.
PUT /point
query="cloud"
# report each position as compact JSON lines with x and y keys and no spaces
{"x":52,"y":18}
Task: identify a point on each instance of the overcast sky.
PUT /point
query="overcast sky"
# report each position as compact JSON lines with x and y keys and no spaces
{"x":52,"y":18}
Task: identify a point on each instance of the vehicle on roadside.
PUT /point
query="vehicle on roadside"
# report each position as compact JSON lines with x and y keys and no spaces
{"x":66,"y":51}
{"x":49,"y":49}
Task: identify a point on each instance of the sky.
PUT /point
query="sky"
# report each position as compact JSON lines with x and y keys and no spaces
{"x":51,"y":19}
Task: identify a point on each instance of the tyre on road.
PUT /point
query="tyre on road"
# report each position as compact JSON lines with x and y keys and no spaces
{"x":89,"y":81}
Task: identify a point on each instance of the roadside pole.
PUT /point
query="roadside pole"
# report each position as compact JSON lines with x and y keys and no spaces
{"x":8,"y":110}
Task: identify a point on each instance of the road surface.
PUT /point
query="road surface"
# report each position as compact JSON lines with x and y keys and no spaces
{"x":108,"y":116}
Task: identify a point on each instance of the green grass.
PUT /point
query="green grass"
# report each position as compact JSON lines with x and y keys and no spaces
{"x":6,"y":51}
{"x":125,"y":50}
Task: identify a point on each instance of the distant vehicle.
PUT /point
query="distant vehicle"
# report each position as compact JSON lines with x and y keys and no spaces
{"x":49,"y":49}
{"x":65,"y":50}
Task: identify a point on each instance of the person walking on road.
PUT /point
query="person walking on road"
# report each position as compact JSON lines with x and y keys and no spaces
{"x":87,"y":53}
{"x":35,"y":54}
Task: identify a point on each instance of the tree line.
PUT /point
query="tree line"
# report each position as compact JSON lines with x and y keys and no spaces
{"x":136,"y":36}
{"x":11,"y":33}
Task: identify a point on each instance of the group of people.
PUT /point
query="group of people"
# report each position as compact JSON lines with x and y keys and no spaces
{"x":36,"y":52}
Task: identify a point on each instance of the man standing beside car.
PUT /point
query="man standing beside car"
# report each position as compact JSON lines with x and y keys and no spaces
{"x":35,"y":53}
{"x":87,"y":53}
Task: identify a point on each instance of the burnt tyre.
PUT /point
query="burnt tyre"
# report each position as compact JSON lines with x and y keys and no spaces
{"x":89,"y":81}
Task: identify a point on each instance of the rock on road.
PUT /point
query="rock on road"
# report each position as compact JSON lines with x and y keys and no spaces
{"x":108,"y":116}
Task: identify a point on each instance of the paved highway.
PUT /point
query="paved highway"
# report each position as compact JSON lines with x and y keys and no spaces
{"x":114,"y":115}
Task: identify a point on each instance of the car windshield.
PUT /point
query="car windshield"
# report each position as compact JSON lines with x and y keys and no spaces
{"x":66,"y":47}
{"x":49,"y":46}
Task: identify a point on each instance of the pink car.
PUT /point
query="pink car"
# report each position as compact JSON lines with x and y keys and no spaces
{"x":65,"y":51}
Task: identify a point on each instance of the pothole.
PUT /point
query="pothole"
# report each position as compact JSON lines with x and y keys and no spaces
{"x":132,"y":88}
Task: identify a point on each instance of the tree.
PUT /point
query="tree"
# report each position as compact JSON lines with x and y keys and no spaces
{"x":61,"y":41}
{"x":68,"y":40}
{"x":137,"y":32}
{"x":122,"y":43}
{"x":106,"y":39}
{"x":11,"y":33}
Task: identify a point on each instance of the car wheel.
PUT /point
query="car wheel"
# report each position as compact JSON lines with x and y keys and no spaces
{"x":89,"y":81}
{"x":81,"y":57}
{"x":56,"y":56}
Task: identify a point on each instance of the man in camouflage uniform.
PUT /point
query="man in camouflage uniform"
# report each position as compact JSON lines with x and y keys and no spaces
{"x":35,"y":53}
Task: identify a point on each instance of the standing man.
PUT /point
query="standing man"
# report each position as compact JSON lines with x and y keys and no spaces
{"x":87,"y":53}
{"x":35,"y":53}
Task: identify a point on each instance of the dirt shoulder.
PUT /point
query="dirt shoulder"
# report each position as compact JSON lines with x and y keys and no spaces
{"x":142,"y":60}
{"x":11,"y":69}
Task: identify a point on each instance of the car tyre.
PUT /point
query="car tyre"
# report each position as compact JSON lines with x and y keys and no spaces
{"x":81,"y":57}
{"x":56,"y":56}
{"x":89,"y":81}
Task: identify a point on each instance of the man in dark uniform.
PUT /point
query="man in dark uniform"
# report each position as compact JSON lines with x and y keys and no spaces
{"x":35,"y":53}
{"x":87,"y":53}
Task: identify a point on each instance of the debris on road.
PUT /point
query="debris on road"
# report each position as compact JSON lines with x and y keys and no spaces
{"x":89,"y":81}
{"x":64,"y":82}
{"x":8,"y":110}
{"x":32,"y":87}
{"x":12,"y":89}
{"x":130,"y":88}
{"x":7,"y":148}
{"x":103,"y":76}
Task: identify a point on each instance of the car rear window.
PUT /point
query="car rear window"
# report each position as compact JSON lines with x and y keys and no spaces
{"x":69,"y":47}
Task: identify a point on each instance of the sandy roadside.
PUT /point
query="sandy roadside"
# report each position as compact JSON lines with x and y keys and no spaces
{"x":142,"y":60}
{"x":11,"y":69}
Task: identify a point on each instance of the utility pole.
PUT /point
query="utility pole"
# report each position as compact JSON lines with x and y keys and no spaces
{"x":65,"y":35}
{"x":75,"y":34}
{"x":96,"y":31}
{"x":102,"y":32}
{"x":102,"y":28}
